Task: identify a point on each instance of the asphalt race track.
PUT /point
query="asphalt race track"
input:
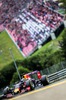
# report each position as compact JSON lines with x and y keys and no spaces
{"x":56,"y":91}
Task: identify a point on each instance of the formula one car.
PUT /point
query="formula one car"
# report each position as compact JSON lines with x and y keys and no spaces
{"x":23,"y":86}
{"x":37,"y":78}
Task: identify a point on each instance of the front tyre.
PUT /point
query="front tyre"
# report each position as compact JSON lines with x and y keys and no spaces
{"x":30,"y":84}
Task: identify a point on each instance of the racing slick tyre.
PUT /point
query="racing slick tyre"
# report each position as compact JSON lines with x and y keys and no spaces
{"x":44,"y":80}
{"x":30,"y":84}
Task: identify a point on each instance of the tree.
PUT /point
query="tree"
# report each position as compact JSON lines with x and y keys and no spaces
{"x":64,"y":4}
{"x":42,"y":60}
{"x":2,"y":80}
{"x":21,"y":70}
{"x":7,"y":72}
{"x":64,"y":45}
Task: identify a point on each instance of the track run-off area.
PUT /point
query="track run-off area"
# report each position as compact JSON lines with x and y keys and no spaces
{"x":55,"y":91}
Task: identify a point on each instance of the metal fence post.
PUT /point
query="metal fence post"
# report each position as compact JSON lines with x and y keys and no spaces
{"x":48,"y":71}
{"x":11,"y":53}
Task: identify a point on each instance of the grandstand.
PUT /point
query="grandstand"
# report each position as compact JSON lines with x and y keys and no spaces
{"x":29,"y":27}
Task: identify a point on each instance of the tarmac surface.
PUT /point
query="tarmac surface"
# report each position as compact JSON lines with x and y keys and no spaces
{"x":55,"y":91}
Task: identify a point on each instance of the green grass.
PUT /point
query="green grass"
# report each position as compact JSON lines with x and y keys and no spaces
{"x":54,"y":45}
{"x":5,"y":44}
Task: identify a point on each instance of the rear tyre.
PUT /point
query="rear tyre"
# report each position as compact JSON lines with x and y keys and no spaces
{"x":44,"y":80}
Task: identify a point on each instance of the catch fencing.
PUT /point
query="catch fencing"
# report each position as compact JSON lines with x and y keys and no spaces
{"x":55,"y":72}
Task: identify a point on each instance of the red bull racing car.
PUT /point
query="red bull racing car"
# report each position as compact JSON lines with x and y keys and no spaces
{"x":30,"y":81}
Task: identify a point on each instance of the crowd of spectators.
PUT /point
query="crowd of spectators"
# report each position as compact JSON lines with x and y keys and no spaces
{"x":47,"y":16}
{"x":29,"y":27}
{"x":50,"y":3}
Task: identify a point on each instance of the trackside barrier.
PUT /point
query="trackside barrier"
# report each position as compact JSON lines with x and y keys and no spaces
{"x":57,"y":75}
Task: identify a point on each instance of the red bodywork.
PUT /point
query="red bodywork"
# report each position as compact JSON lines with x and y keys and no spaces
{"x":34,"y":74}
